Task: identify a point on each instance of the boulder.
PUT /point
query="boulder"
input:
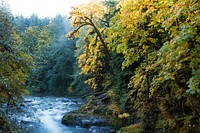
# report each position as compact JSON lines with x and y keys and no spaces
{"x":83,"y":120}
{"x":94,"y":124}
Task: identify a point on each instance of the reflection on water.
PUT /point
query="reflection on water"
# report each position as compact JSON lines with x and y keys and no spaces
{"x":44,"y":114}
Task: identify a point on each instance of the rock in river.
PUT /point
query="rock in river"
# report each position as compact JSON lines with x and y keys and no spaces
{"x":94,"y":123}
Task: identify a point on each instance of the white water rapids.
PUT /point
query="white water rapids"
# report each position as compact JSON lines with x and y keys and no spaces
{"x":44,"y":115}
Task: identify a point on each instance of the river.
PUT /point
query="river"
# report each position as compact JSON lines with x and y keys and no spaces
{"x":44,"y":114}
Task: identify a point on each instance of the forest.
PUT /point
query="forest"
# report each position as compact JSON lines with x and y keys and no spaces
{"x":134,"y":62}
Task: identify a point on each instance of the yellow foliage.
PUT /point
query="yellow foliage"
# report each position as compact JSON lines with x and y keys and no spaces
{"x":92,"y":83}
{"x":93,"y":9}
{"x":124,"y":115}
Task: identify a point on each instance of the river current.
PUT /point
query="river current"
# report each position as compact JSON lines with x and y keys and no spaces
{"x":44,"y":114}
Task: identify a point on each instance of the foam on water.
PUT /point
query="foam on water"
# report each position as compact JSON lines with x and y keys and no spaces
{"x":44,"y":114}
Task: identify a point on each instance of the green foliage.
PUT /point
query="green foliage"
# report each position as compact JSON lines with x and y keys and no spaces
{"x":14,"y":63}
{"x":22,"y":23}
{"x":135,"y":128}
{"x":78,"y":78}
{"x":53,"y":57}
{"x":60,"y":76}
{"x":143,"y":56}
{"x":166,"y":45}
{"x":153,"y":49}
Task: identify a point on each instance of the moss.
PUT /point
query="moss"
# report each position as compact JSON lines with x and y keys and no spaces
{"x":159,"y":123}
{"x":135,"y":128}
{"x":83,"y":120}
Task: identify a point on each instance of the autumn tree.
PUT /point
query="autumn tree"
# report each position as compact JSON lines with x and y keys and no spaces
{"x":159,"y":45}
{"x":94,"y":59}
{"x":177,"y":75}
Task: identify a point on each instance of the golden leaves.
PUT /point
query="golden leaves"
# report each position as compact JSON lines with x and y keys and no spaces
{"x":124,"y":115}
{"x":90,"y":18}
{"x":92,"y":83}
{"x":81,"y":13}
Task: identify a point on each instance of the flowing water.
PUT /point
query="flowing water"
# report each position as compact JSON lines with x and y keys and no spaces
{"x":44,"y":114}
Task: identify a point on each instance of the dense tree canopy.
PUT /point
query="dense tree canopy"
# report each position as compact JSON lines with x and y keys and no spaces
{"x":157,"y":44}
{"x":137,"y":60}
{"x":14,"y":63}
{"x":53,"y":56}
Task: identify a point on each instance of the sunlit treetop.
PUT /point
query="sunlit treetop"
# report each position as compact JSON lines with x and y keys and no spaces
{"x":82,"y":13}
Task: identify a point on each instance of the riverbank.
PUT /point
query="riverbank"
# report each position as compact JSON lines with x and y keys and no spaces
{"x":8,"y":125}
{"x":61,"y":115}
